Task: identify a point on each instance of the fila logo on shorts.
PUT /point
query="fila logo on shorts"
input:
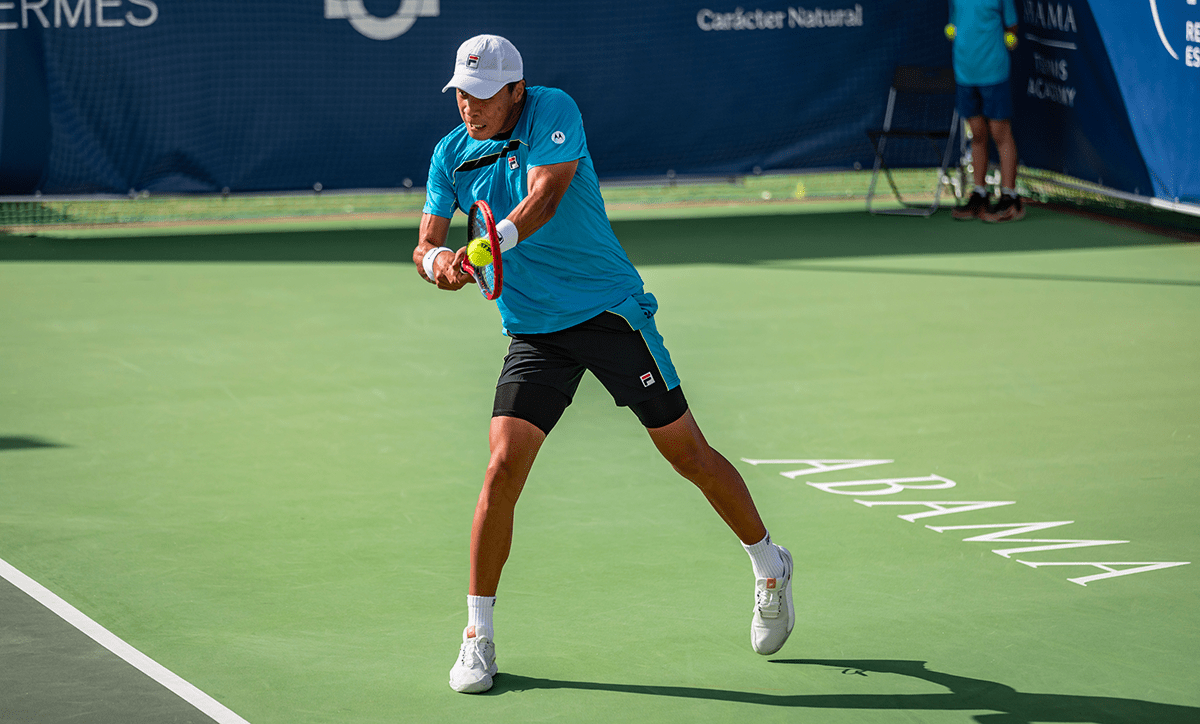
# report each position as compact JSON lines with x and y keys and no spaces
{"x":647,"y":379}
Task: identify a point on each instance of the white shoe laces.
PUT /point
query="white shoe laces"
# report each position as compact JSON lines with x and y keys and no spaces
{"x":473,"y":653}
{"x":769,"y":601}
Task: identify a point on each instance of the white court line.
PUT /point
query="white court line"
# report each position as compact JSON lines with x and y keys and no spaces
{"x":110,"y":641}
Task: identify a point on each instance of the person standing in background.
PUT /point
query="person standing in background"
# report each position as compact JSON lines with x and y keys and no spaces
{"x":983,"y":33}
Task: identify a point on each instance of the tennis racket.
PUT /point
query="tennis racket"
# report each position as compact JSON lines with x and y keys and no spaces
{"x":481,"y":230}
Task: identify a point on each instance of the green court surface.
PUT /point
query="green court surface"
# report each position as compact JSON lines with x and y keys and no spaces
{"x":254,"y":458}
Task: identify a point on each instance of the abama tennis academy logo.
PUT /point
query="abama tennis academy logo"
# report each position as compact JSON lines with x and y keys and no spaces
{"x":375,"y":28}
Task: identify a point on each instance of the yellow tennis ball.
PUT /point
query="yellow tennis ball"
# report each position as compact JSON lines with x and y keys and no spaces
{"x":479,"y":252}
{"x":1010,"y":40}
{"x":951,"y":31}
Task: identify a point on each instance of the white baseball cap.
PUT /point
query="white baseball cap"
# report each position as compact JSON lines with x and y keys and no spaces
{"x":484,"y":65}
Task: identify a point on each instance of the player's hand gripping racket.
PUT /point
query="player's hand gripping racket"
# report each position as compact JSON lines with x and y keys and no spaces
{"x":483,"y":251}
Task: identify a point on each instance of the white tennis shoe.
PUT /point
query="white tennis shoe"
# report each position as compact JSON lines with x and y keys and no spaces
{"x":476,"y":664}
{"x":774,"y":615}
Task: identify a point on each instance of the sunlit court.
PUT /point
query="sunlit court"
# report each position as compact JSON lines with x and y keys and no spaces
{"x":242,"y":436}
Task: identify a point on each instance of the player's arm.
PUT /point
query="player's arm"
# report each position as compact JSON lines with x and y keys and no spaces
{"x":547,"y":185}
{"x":447,"y":265}
{"x":1009,"y":15}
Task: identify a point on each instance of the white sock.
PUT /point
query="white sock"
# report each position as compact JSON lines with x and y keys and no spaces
{"x":1010,"y":192}
{"x":981,"y":190}
{"x":479,"y":614}
{"x":765,"y":558}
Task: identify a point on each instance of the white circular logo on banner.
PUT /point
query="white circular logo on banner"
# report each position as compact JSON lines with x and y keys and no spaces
{"x":558,"y":137}
{"x":375,"y":28}
{"x":1161,"y":35}
{"x":1168,"y":19}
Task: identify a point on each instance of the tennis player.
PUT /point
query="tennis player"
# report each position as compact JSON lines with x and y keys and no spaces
{"x":571,"y":302}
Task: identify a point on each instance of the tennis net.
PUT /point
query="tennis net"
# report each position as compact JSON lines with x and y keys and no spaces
{"x":768,"y":192}
{"x":33,"y":215}
{"x":1071,"y":195}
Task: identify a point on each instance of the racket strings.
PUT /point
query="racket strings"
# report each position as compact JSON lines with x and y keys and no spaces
{"x":486,"y":278}
{"x":481,"y":226}
{"x":476,"y":226}
{"x":485,"y":275}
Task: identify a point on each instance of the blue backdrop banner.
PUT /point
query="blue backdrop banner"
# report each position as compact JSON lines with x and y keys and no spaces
{"x":1106,"y":91}
{"x":1158,"y":71}
{"x":175,"y":96}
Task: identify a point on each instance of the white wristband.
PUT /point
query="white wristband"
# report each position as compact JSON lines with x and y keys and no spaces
{"x":507,"y":231}
{"x":430,"y":256}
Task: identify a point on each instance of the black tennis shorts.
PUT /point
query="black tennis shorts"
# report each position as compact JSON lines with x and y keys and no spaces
{"x":542,"y":371}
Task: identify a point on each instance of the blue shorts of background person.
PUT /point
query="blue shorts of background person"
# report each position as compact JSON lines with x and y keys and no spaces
{"x":990,"y":101}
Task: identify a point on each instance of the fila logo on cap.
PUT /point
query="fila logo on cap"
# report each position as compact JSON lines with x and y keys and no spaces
{"x":484,"y":64}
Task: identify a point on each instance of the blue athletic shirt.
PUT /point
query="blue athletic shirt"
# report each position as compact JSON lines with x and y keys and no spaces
{"x":980,"y":57}
{"x":571,"y":269}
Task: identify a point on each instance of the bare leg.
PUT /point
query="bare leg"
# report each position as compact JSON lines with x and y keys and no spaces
{"x":979,"y":148}
{"x":684,"y":446}
{"x":514,"y":445}
{"x":1006,"y":146}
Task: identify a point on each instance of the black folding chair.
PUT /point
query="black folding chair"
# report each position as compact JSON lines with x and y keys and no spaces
{"x":920,"y":107}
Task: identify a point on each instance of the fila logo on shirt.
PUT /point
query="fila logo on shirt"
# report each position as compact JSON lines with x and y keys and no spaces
{"x":647,"y":379}
{"x":513,"y":163}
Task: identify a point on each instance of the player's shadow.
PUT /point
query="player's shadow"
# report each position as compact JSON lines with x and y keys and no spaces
{"x":1006,"y":704}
